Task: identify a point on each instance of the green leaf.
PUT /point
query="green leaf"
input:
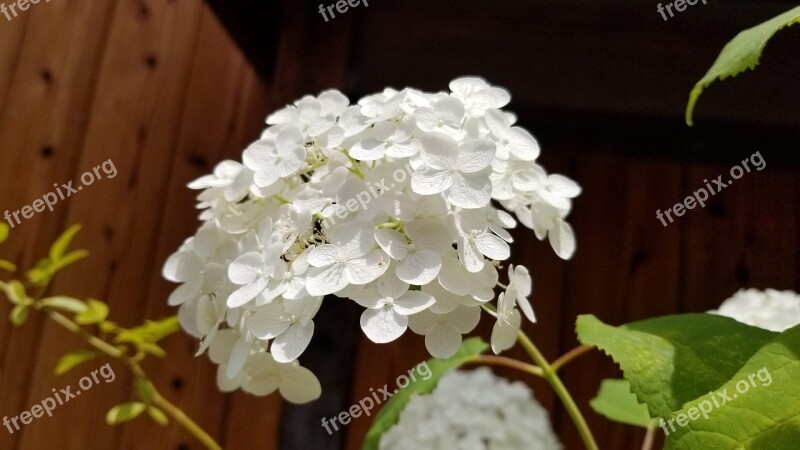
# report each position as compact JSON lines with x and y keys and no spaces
{"x":73,"y":359}
{"x":145,"y":390}
{"x":4,"y":230}
{"x":66,"y":304}
{"x":616,"y":402}
{"x":41,"y":274}
{"x":157,"y":415}
{"x":71,"y":258}
{"x":19,"y":314}
{"x":17,"y":295}
{"x":59,"y":247}
{"x":124,"y":412}
{"x":8,"y":266}
{"x":391,"y":410}
{"x":741,"y":54}
{"x":673,"y":359}
{"x":96,"y":312}
{"x":763,"y":415}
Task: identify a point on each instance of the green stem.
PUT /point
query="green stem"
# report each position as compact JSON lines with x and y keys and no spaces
{"x":561,"y":391}
{"x":508,"y":362}
{"x":569,"y":356}
{"x":173,"y":411}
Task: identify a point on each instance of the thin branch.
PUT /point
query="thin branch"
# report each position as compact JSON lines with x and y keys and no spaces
{"x":508,"y":362}
{"x":569,"y":356}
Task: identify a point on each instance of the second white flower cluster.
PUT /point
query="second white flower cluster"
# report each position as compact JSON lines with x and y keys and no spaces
{"x":424,"y":254}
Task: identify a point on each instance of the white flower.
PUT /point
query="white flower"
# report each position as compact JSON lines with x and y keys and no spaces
{"x":445,"y":117}
{"x":389,"y":303}
{"x":511,"y":140}
{"x":443,"y":331}
{"x":350,"y":259}
{"x":473,"y":410}
{"x":771,"y":309}
{"x":385,"y":202}
{"x":387,"y":139}
{"x":288,"y":323}
{"x":271,"y":160}
{"x":476,"y":241}
{"x":462,"y":170}
{"x":295,"y":383}
{"x":420,"y":259}
{"x":519,"y":288}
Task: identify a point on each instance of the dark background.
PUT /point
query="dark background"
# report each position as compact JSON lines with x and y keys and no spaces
{"x":166,"y":91}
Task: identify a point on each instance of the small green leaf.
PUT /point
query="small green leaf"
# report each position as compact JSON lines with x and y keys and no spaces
{"x":96,"y":312}
{"x":73,"y":359}
{"x":107,"y":326}
{"x":154,"y":349}
{"x":66,"y":304}
{"x":71,"y":258}
{"x":673,"y":359}
{"x":740,"y":54}
{"x":616,"y":402}
{"x":145,"y":390}
{"x":59,"y":247}
{"x":8,"y":266}
{"x":157,"y":415}
{"x":41,"y":274}
{"x":16,"y":293}
{"x":4,"y":230}
{"x":124,"y":412}
{"x":19,"y":314}
{"x":390,"y":412}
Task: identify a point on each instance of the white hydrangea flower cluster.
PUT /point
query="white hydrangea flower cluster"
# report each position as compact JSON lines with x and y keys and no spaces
{"x":387,"y":203}
{"x":771,"y":309}
{"x":473,"y":410}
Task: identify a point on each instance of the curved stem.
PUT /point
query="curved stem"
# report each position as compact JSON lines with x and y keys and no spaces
{"x":185,"y":421}
{"x":561,"y":391}
{"x":508,"y":362}
{"x":173,"y":411}
{"x":569,"y":356}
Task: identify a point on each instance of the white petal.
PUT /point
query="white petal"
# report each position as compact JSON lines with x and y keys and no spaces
{"x":220,"y":348}
{"x":470,"y":190}
{"x":269,"y":321}
{"x":526,"y":308}
{"x":246,"y":293}
{"x":470,"y":256}
{"x":299,"y":385}
{"x":465,"y":318}
{"x":522,"y":144}
{"x":449,"y":109}
{"x":420,"y":267}
{"x":238,"y":357}
{"x":522,"y":279}
{"x":244,"y":269}
{"x":439,"y":151}
{"x":383,"y":325}
{"x":324,"y":255}
{"x":443,"y":341}
{"x":224,"y":383}
{"x":292,"y":343}
{"x":393,"y":243}
{"x":475,"y":155}
{"x":413,"y":302}
{"x":367,"y":269}
{"x":391,"y":287}
{"x":426,"y":181}
{"x":326,"y":280}
{"x":497,"y":123}
{"x":504,"y":332}
{"x":562,"y":239}
{"x":493,"y":247}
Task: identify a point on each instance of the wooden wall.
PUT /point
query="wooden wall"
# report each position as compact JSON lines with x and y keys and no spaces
{"x":161,"y":89}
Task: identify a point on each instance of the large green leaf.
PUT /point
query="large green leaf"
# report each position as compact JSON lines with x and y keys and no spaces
{"x":759,"y":408}
{"x":674,"y":359}
{"x":616,"y":402}
{"x":740,"y":54}
{"x":390,"y":412}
